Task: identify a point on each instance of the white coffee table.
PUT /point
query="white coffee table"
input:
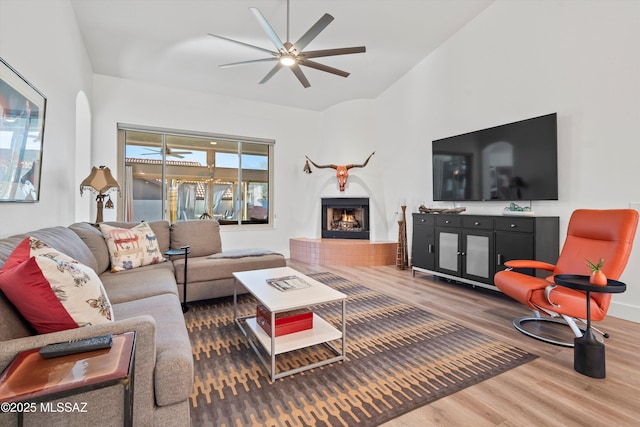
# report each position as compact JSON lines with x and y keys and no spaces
{"x":276,"y":301}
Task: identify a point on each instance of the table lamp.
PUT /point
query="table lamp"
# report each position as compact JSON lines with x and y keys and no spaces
{"x":100,"y":181}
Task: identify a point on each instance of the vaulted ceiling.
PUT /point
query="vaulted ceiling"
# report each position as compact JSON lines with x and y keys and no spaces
{"x":165,"y":42}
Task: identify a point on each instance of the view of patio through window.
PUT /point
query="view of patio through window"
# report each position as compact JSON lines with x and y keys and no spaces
{"x":181,"y":176}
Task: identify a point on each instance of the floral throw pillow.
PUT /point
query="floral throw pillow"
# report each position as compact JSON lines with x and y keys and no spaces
{"x":56,"y":293}
{"x":131,"y":247}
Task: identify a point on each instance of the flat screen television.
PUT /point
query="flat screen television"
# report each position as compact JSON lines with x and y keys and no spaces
{"x":515,"y":161}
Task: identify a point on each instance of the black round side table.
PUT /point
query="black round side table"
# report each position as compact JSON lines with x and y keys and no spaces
{"x":186,"y":251}
{"x":588,"y":351}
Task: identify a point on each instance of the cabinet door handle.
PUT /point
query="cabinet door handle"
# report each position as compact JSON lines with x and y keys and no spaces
{"x":422,"y":220}
{"x":430,"y":248}
{"x":447,"y":222}
{"x":499,"y":259}
{"x":461,"y":253}
{"x":476,"y":223}
{"x":513,"y":226}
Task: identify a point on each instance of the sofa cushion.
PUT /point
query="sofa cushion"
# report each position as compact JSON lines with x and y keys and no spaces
{"x":131,"y":247}
{"x":200,"y":269}
{"x":203,"y":236}
{"x":56,"y":294}
{"x":92,"y":237}
{"x":142,"y":282}
{"x":173,"y":373}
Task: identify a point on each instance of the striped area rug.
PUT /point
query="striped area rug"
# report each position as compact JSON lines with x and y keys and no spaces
{"x":399,"y":358}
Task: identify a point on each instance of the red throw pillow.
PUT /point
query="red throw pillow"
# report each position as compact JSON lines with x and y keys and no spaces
{"x":55,"y":294}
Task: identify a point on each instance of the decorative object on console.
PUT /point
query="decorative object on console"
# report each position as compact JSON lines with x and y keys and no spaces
{"x":341,"y":171}
{"x":292,"y":55}
{"x":100,"y":181}
{"x":22,"y":115}
{"x":515,"y":210}
{"x":424,"y":209}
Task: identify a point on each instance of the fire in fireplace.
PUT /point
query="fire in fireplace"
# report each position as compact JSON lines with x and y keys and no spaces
{"x":345,"y":218}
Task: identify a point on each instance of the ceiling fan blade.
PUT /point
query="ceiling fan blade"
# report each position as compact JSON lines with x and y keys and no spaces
{"x":333,"y":52}
{"x":322,"y":67}
{"x":300,"y":75}
{"x":233,"y":64}
{"x":313,"y":32}
{"x":268,"y":29}
{"x":243,"y":44}
{"x":271,"y":73}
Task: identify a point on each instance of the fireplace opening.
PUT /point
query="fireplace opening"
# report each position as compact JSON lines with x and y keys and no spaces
{"x":345,"y":218}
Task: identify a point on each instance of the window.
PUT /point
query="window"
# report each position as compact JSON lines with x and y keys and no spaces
{"x":180,"y":176}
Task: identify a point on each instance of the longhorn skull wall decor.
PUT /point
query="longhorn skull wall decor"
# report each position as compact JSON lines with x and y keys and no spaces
{"x":341,"y":171}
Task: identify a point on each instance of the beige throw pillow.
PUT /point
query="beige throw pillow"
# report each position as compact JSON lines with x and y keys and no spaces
{"x":131,"y":247}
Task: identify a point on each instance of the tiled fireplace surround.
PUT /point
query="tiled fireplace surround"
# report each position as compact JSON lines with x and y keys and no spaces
{"x":356,"y":249}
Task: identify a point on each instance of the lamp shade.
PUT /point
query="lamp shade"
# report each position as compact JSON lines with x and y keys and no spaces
{"x":100,"y":180}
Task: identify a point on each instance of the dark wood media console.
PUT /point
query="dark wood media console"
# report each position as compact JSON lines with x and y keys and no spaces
{"x":472,"y":248}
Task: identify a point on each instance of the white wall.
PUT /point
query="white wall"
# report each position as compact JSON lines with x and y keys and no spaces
{"x":516,"y":60}
{"x":41,"y":40}
{"x":519,"y":60}
{"x":124,"y":101}
{"x":348,"y":137}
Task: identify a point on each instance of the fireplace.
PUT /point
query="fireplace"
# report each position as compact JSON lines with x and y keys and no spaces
{"x":345,"y":218}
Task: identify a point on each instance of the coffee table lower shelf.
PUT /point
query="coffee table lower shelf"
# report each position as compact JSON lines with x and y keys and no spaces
{"x":321,"y":333}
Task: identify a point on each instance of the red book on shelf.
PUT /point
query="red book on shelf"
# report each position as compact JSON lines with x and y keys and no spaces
{"x":287,"y":322}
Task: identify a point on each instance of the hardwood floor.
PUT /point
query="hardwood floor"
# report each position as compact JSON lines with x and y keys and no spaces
{"x":545,"y":392}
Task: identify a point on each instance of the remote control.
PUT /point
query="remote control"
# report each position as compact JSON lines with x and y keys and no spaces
{"x":76,"y":346}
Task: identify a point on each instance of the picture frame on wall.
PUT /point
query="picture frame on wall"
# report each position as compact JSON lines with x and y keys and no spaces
{"x":22,"y":118}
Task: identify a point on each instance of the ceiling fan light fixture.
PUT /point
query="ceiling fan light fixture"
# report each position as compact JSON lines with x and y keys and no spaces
{"x":287,"y":60}
{"x":293,"y":55}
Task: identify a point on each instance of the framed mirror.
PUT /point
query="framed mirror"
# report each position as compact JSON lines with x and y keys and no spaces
{"x":22,"y":115}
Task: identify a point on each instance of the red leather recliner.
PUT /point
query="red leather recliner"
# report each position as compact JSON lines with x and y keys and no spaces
{"x":592,"y":234}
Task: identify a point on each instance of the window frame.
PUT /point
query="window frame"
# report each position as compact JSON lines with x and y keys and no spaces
{"x":122,"y":128}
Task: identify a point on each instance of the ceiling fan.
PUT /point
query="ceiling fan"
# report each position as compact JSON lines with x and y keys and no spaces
{"x":168,"y":152}
{"x":292,"y":55}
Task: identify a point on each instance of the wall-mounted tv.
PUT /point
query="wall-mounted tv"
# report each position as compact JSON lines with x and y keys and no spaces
{"x":515,"y":161}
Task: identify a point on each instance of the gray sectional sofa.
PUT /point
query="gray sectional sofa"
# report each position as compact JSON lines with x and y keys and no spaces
{"x":146,"y":300}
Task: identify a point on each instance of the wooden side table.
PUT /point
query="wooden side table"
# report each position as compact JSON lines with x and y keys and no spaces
{"x":34,"y":379}
{"x":186,"y":251}
{"x":588,"y":351}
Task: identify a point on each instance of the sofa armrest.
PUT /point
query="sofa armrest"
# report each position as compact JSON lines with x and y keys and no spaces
{"x":145,"y":355}
{"x":144,"y":326}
